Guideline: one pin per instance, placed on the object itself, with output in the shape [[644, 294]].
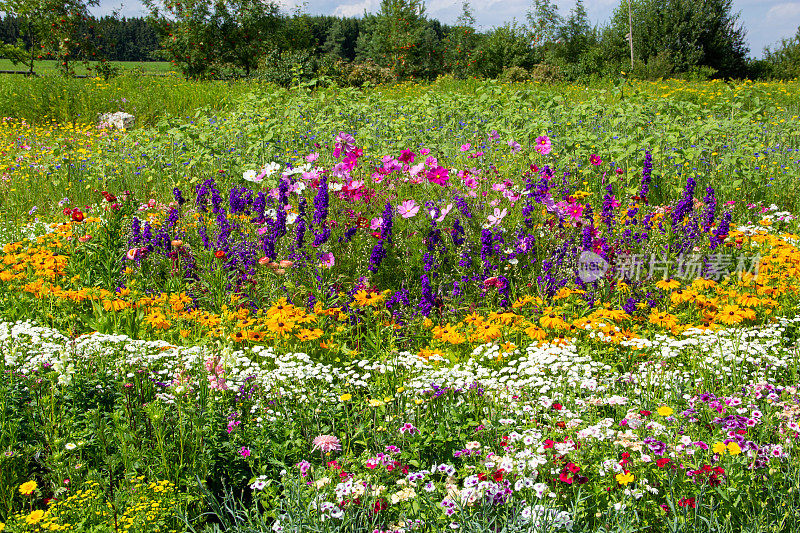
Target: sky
[[766, 21]]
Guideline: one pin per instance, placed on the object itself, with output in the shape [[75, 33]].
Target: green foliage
[[506, 46], [784, 62], [692, 33], [203, 37]]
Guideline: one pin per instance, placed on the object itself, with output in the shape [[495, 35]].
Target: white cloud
[[785, 13], [357, 9]]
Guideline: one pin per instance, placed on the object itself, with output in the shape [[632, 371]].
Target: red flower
[[77, 215], [482, 476], [645, 413], [557, 406], [626, 455], [498, 476], [109, 197], [572, 467], [548, 444], [687, 502], [219, 254], [380, 505], [662, 462], [564, 478]]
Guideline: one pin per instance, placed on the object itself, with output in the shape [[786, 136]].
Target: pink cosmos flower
[[327, 443], [466, 147], [496, 218], [543, 145], [312, 157], [595, 159], [327, 260], [408, 209], [515, 146], [375, 223], [424, 151]]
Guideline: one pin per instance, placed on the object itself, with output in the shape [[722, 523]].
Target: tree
[[460, 54], [60, 29], [784, 61], [693, 34], [396, 30], [506, 46], [544, 22], [198, 35]]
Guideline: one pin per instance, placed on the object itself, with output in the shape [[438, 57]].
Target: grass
[[43, 67]]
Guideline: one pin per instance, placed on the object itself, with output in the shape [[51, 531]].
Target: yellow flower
[[624, 478], [719, 448], [34, 517], [665, 411], [375, 403], [28, 487], [734, 448], [345, 397]]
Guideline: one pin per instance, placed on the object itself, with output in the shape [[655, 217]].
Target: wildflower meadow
[[456, 306]]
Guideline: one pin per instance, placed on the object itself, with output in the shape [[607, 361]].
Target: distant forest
[[695, 39]]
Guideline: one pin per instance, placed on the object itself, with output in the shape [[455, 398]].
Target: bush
[[367, 73], [658, 66], [547, 73], [515, 74]]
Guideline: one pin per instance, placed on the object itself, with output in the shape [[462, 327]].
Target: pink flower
[[408, 209], [595, 159], [409, 428], [466, 147], [327, 260], [244, 452], [326, 443], [575, 210], [515, 147], [496, 218], [312, 157], [543, 145], [424, 151]]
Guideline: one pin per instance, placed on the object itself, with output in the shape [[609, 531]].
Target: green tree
[[201, 35], [396, 31], [460, 44], [784, 61], [544, 23], [58, 28], [504, 47], [692, 34]]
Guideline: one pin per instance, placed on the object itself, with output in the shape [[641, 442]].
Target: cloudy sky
[[766, 21]]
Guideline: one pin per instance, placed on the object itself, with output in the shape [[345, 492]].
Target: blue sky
[[766, 21]]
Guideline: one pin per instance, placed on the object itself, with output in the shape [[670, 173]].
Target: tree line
[[222, 38]]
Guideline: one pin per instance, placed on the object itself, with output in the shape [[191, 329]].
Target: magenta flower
[[408, 209], [244, 452], [543, 145], [327, 260], [406, 156], [466, 147], [409, 428], [595, 159]]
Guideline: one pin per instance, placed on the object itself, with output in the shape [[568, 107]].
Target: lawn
[[43, 67], [464, 306]]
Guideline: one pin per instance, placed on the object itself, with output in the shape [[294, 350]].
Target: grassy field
[[43, 67], [459, 306]]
